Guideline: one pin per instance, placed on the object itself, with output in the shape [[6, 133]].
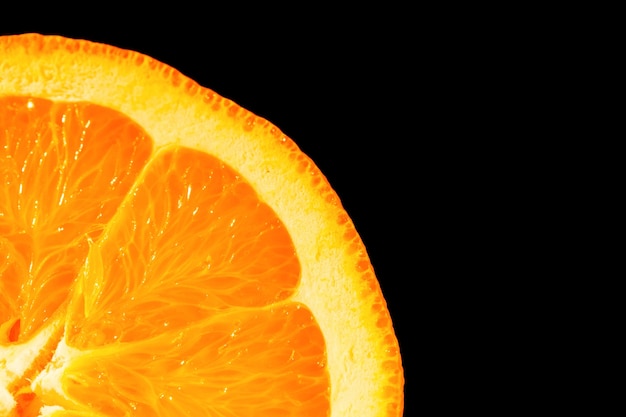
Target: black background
[[339, 92]]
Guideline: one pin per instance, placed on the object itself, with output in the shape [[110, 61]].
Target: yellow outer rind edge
[[338, 282]]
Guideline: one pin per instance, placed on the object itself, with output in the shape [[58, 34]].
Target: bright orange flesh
[[186, 278], [65, 170], [164, 252]]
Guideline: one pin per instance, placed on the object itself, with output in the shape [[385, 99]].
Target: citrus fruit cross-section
[[164, 252]]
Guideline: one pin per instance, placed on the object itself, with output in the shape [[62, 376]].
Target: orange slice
[[164, 252]]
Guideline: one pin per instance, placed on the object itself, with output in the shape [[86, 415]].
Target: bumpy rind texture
[[338, 282]]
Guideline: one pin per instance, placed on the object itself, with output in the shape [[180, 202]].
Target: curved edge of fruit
[[35, 64]]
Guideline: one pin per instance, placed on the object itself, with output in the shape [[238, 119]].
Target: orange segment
[[262, 362], [191, 238], [65, 169]]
